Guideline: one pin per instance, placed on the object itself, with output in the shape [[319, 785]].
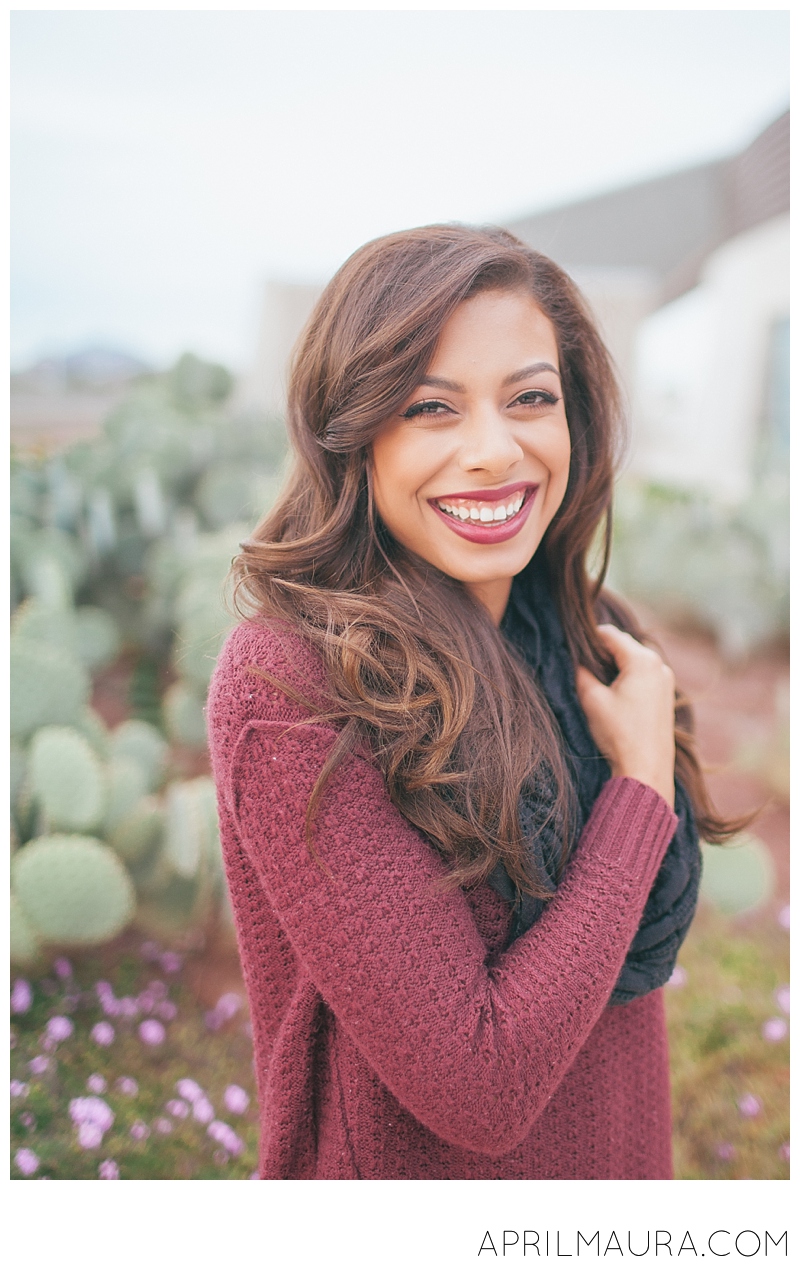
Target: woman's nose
[[489, 444]]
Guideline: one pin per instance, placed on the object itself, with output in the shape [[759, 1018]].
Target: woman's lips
[[491, 531]]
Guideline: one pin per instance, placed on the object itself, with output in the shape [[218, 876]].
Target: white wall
[[701, 367]]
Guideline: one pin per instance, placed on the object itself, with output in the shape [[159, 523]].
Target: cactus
[[738, 876], [97, 640], [67, 779], [143, 743], [47, 686], [45, 624], [26, 947], [137, 836], [191, 839], [73, 890], [225, 493], [91, 725], [184, 715], [18, 767], [127, 784]]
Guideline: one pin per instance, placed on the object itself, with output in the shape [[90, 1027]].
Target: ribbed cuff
[[630, 825]]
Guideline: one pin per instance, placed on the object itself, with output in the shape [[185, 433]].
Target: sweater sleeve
[[473, 1048]]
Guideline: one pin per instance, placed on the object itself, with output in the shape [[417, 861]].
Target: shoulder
[[258, 657]]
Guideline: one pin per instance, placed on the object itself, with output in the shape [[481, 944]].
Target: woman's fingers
[[632, 720]]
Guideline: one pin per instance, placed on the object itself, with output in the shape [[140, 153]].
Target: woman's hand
[[633, 720]]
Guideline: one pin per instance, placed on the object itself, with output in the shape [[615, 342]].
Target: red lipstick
[[491, 531]]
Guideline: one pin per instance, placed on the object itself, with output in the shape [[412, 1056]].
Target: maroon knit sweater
[[393, 1036]]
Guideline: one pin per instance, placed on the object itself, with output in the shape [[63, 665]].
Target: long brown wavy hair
[[417, 673]]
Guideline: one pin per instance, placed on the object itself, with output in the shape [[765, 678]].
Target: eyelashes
[[534, 397]]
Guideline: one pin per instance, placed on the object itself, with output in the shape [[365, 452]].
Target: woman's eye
[[536, 397], [425, 408]]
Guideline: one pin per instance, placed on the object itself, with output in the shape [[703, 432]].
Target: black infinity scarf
[[532, 624]]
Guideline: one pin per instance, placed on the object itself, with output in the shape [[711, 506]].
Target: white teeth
[[486, 514]]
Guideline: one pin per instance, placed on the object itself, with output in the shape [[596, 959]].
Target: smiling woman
[[501, 414], [459, 808]]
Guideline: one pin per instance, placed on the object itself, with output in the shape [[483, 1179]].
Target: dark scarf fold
[[532, 624]]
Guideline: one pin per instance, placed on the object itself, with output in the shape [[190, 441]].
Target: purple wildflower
[[28, 1120], [63, 968], [178, 1108], [678, 977], [90, 1135], [109, 1171], [128, 1007], [19, 1089], [157, 989], [202, 1110], [152, 1032], [255, 1177], [139, 1131], [26, 1161], [228, 1004], [162, 1125], [21, 997], [59, 1028], [726, 1151], [783, 1151], [236, 1100], [39, 1065], [146, 1002], [774, 1029], [127, 1085], [189, 1089], [227, 1137], [91, 1111], [782, 997], [749, 1106], [166, 1010], [783, 917], [96, 1084], [171, 962], [102, 1033]]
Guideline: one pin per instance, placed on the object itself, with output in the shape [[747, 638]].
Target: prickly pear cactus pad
[[67, 779], [73, 890], [25, 944], [47, 686], [134, 739]]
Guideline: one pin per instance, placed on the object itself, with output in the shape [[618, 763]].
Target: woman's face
[[473, 467]]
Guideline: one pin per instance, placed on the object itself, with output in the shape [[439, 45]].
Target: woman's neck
[[493, 596]]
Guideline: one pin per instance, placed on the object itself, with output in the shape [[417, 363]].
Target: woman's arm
[[473, 1050]]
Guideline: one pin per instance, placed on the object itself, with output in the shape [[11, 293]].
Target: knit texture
[[393, 1036]]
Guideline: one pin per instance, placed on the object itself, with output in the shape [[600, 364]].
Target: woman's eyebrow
[[435, 381]]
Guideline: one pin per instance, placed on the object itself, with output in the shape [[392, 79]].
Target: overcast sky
[[166, 163]]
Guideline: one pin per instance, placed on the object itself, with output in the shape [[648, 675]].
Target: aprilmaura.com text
[[630, 1243]]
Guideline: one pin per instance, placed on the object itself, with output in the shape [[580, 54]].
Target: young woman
[[460, 861]]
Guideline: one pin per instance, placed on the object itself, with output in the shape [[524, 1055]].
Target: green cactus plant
[[136, 837], [97, 639], [26, 947], [18, 768], [140, 741], [127, 784], [47, 686], [184, 715], [73, 890], [191, 839], [45, 624], [738, 876], [67, 779], [91, 725]]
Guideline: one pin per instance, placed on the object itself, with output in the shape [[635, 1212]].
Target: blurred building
[[687, 275]]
